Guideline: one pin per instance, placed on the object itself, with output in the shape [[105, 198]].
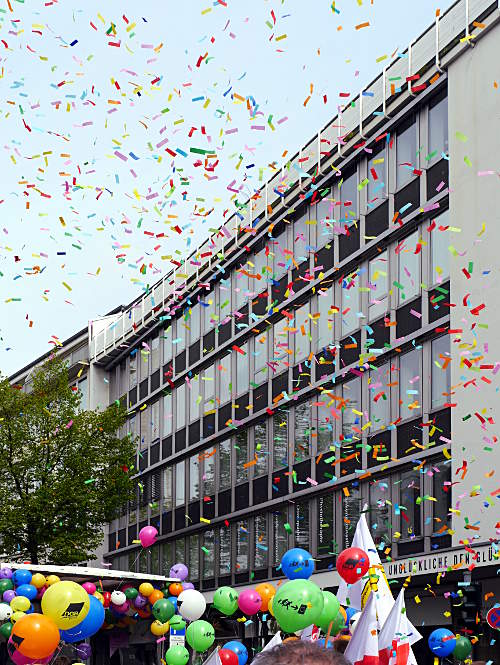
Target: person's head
[[300, 653]]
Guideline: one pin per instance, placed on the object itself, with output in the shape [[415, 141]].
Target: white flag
[[356, 595], [274, 642], [363, 647], [213, 659], [397, 636], [310, 634]]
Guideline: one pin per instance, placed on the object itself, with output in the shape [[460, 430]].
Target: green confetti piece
[[467, 161], [287, 527], [461, 137]]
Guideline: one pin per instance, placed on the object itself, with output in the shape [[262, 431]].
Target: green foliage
[[63, 472]]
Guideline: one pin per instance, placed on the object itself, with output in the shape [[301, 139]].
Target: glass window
[[260, 269], [179, 342], [349, 198], [155, 354], [410, 371], [409, 267], [133, 369], [143, 561], [280, 537], [180, 478], [326, 524], [379, 393], [242, 372], [208, 549], [351, 409], [260, 357], [143, 364], [324, 430], [180, 550], [378, 285], [208, 378], [145, 427], [209, 471], [194, 478], [194, 557], [167, 414], [261, 448], [281, 339], [180, 396], [377, 178], [302, 431], [409, 508], [167, 488], [438, 129], [155, 420], [224, 371], [440, 254], [301, 237], [167, 344], [225, 550], [350, 303], [302, 525], [300, 329], [208, 309], [380, 512], [83, 390], [260, 542], [241, 447], [324, 221], [280, 259], [325, 320], [225, 464], [194, 323], [167, 558], [194, 398], [441, 371], [133, 421], [280, 435], [406, 153], [242, 545], [441, 491]]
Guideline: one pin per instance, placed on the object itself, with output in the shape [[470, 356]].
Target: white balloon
[[118, 597], [5, 611], [353, 622], [191, 604]]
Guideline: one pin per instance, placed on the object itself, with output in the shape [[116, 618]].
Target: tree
[[64, 472]]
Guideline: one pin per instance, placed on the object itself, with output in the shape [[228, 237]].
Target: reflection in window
[[224, 550], [441, 491], [180, 550], [406, 154], [241, 447], [349, 198], [324, 221], [440, 254], [280, 538], [379, 393], [155, 560], [441, 371], [194, 557], [225, 464], [208, 380], [325, 532], [224, 371], [194, 478], [280, 259], [260, 357], [301, 238], [145, 428], [410, 509], [240, 286], [351, 512], [194, 398], [350, 303], [324, 428], [208, 549], [438, 129], [351, 410], [280, 446], [208, 471], [380, 511], [155, 420], [325, 320], [167, 558], [180, 396], [194, 323], [378, 285], [300, 331], [242, 370], [409, 251], [167, 414], [167, 488], [180, 473], [260, 541], [261, 448], [302, 524], [302, 432], [410, 399], [242, 545], [377, 178]]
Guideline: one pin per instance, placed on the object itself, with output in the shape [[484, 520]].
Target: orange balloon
[[266, 591], [156, 595], [343, 612], [175, 588], [35, 636]]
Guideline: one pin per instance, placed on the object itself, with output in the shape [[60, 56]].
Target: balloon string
[[328, 634]]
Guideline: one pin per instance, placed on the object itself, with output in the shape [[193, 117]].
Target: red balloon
[[228, 657], [352, 564], [106, 599]]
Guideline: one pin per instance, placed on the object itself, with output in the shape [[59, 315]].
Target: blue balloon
[[350, 611], [21, 576], [297, 564], [27, 590], [89, 626], [173, 600], [239, 649], [442, 642], [321, 643], [30, 609]]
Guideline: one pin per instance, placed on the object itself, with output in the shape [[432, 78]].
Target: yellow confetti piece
[[67, 286]]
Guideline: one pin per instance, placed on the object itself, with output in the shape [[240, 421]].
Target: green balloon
[[298, 604], [131, 593], [177, 655], [226, 600], [6, 585], [338, 625], [177, 622], [463, 648], [163, 610], [6, 630], [200, 635], [330, 610]]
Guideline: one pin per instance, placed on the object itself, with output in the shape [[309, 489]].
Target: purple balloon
[[9, 595], [41, 592], [140, 601], [7, 573], [179, 571], [121, 609], [84, 651], [187, 585]]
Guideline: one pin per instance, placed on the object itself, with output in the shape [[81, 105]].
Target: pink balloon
[[89, 588], [41, 592], [249, 601], [19, 659], [147, 536], [121, 609]]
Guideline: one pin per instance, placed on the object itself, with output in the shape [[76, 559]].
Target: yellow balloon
[[146, 589], [38, 580], [16, 616], [158, 628], [99, 597], [270, 606], [66, 603], [53, 579], [20, 604]]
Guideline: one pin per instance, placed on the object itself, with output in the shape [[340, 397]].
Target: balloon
[[177, 622], [53, 579], [121, 609], [21, 576], [16, 616], [90, 588], [7, 573], [187, 585], [84, 650], [442, 642], [226, 600], [38, 580], [20, 604], [330, 610], [131, 593], [228, 657], [99, 597], [297, 604], [106, 597], [270, 605], [5, 611], [266, 591], [239, 649], [89, 626], [249, 602], [297, 564], [350, 611], [177, 655], [463, 648], [200, 635], [191, 604], [18, 658], [163, 610], [156, 595], [118, 598], [8, 595], [175, 589], [35, 636], [147, 535], [6, 629], [173, 600], [179, 572], [352, 564], [27, 590], [140, 601], [6, 585], [338, 623], [146, 589], [158, 628], [66, 603]]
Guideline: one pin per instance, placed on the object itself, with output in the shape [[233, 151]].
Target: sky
[[99, 111]]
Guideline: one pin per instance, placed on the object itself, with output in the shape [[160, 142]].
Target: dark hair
[[300, 653]]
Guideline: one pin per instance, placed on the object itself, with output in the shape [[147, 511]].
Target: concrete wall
[[99, 387], [474, 112]]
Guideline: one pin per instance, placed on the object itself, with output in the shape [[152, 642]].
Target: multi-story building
[[314, 355]]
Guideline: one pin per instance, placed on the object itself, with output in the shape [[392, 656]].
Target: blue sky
[[91, 100]]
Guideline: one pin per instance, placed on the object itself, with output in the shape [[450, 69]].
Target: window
[[302, 524], [380, 512], [409, 267], [410, 371], [225, 550], [194, 557], [225, 464], [241, 447], [167, 344], [324, 222], [260, 357], [326, 532], [260, 541], [281, 339], [208, 309], [440, 371], [242, 545], [155, 354], [194, 323], [280, 447], [180, 397], [167, 414], [155, 420], [349, 198], [438, 129], [224, 371], [351, 411], [301, 334], [167, 558], [83, 390], [194, 398], [208, 378], [301, 432], [409, 508], [350, 303], [242, 372], [440, 254], [145, 427], [280, 259], [180, 473], [180, 550], [259, 269], [377, 178], [325, 320], [194, 478], [143, 364], [406, 152], [155, 560], [241, 286], [167, 488], [441, 491], [261, 448], [179, 342], [324, 430], [132, 427], [133, 369], [301, 238], [208, 476], [378, 281], [280, 538], [379, 393]]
